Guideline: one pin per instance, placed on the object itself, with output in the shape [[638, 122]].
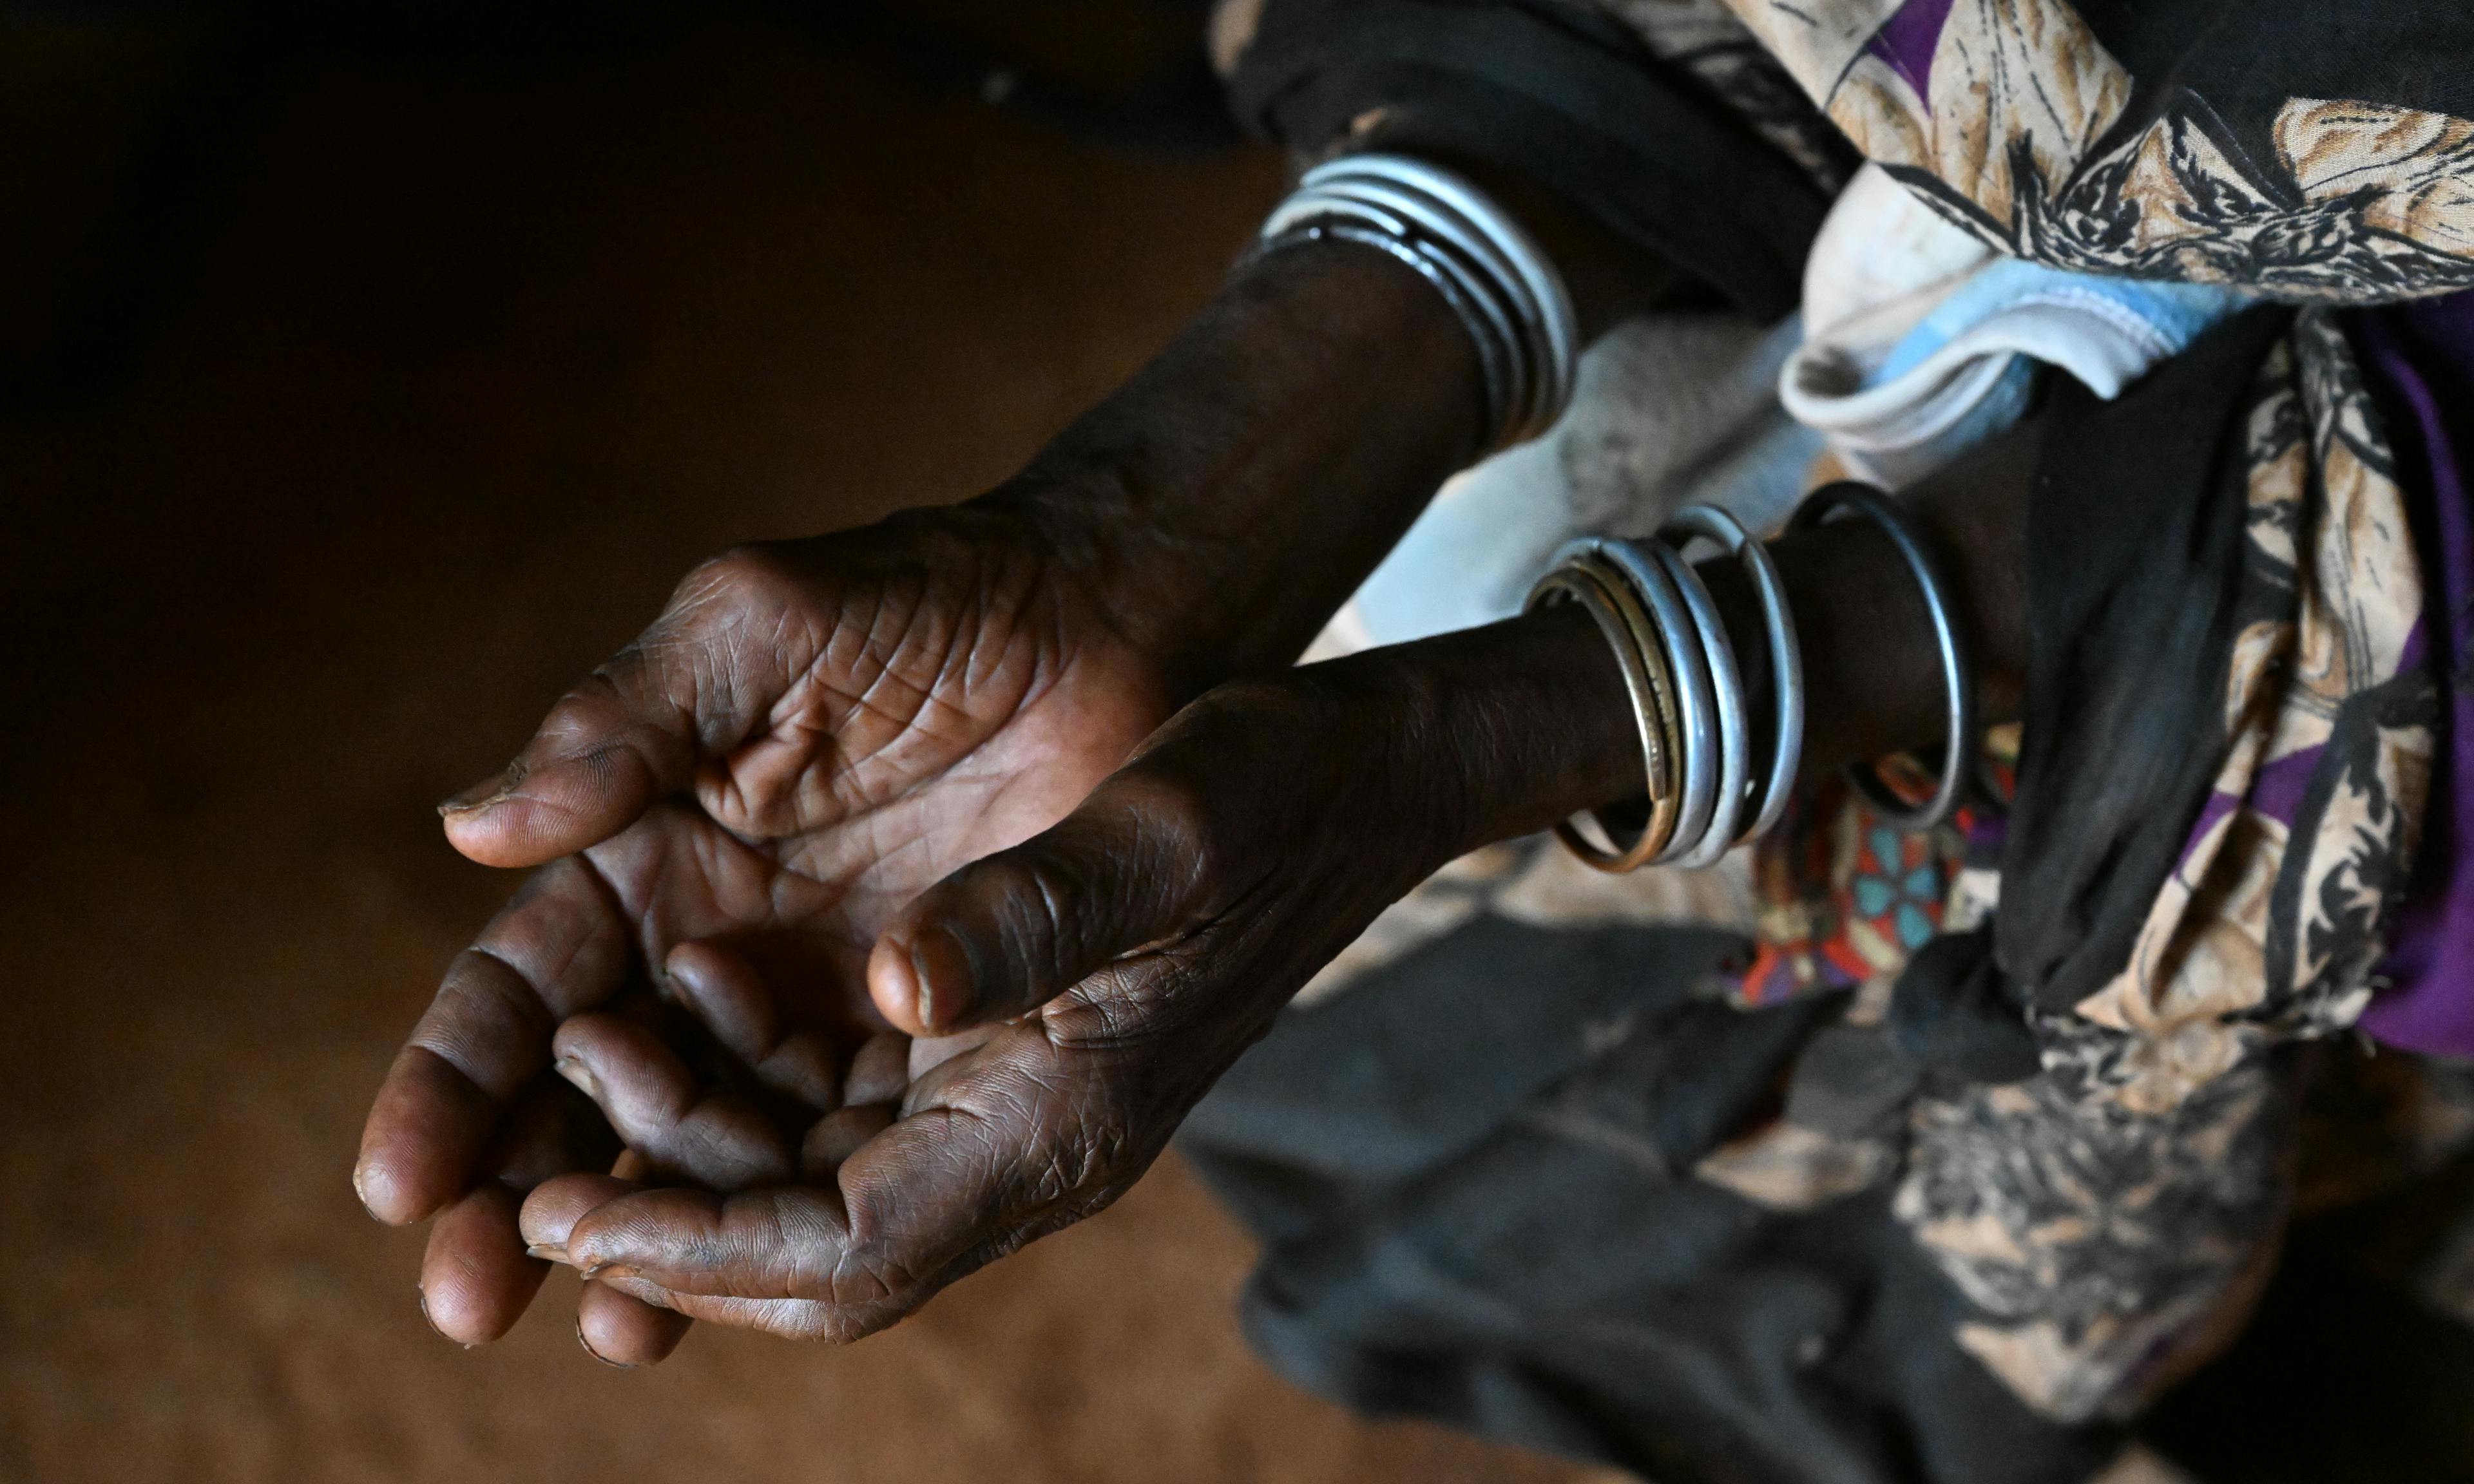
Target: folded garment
[[1921, 342]]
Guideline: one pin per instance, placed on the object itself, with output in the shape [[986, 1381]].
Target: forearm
[[1873, 671], [1225, 502], [1228, 498], [1516, 726]]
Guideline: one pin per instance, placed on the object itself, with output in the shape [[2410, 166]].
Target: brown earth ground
[[415, 390]]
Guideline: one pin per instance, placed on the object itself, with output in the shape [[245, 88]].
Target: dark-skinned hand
[[1087, 986], [727, 814], [809, 734]]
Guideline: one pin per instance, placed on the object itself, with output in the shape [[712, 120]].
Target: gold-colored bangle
[[1666, 803], [1607, 599], [1649, 640], [1634, 639]]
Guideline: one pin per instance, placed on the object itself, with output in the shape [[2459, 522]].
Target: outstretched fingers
[[997, 1147], [559, 947], [636, 731], [626, 1330], [713, 1137], [476, 1278], [623, 1325], [627, 1320], [797, 1065]]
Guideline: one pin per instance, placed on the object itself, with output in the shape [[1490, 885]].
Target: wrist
[[1221, 504], [1492, 733]]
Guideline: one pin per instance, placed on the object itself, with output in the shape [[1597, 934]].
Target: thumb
[[633, 731], [1005, 935]]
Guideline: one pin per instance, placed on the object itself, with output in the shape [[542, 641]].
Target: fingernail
[[496, 786], [575, 1072], [941, 969], [548, 1252], [606, 1272], [587, 1346]]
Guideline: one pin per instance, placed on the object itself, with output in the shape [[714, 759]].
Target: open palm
[[811, 734]]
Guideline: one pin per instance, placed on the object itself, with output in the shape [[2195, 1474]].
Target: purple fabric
[[2420, 366], [2275, 792], [1907, 40]]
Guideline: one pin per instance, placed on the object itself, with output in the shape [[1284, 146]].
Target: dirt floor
[[348, 416]]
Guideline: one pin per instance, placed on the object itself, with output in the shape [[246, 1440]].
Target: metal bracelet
[[1786, 656], [1734, 722], [1495, 369], [1482, 273], [1591, 589], [1496, 250], [1501, 286], [1666, 804], [1696, 697], [1958, 680], [1553, 320], [1495, 326]]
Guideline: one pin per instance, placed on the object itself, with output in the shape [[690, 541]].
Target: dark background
[[364, 378]]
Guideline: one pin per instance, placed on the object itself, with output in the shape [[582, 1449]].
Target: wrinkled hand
[[1107, 970], [1092, 983], [735, 806]]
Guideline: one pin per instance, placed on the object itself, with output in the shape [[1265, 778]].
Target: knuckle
[[1037, 896], [1172, 818], [1086, 1162], [746, 575], [484, 991], [1262, 705]]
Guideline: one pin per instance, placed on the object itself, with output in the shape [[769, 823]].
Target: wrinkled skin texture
[[1084, 988], [806, 817], [727, 815], [809, 734], [813, 802], [1114, 967]]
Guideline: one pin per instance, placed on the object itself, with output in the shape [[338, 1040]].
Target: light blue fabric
[[1969, 367], [2177, 314]]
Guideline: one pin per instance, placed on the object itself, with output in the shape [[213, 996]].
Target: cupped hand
[[732, 808], [1090, 985]]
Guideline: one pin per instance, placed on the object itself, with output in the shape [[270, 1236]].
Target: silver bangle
[[1462, 216], [1734, 722], [1697, 705], [1691, 684], [1501, 286], [1786, 656], [1494, 368], [1554, 319], [1958, 680], [1459, 252]]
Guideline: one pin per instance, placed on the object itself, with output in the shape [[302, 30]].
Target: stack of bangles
[[1504, 290], [1704, 793]]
